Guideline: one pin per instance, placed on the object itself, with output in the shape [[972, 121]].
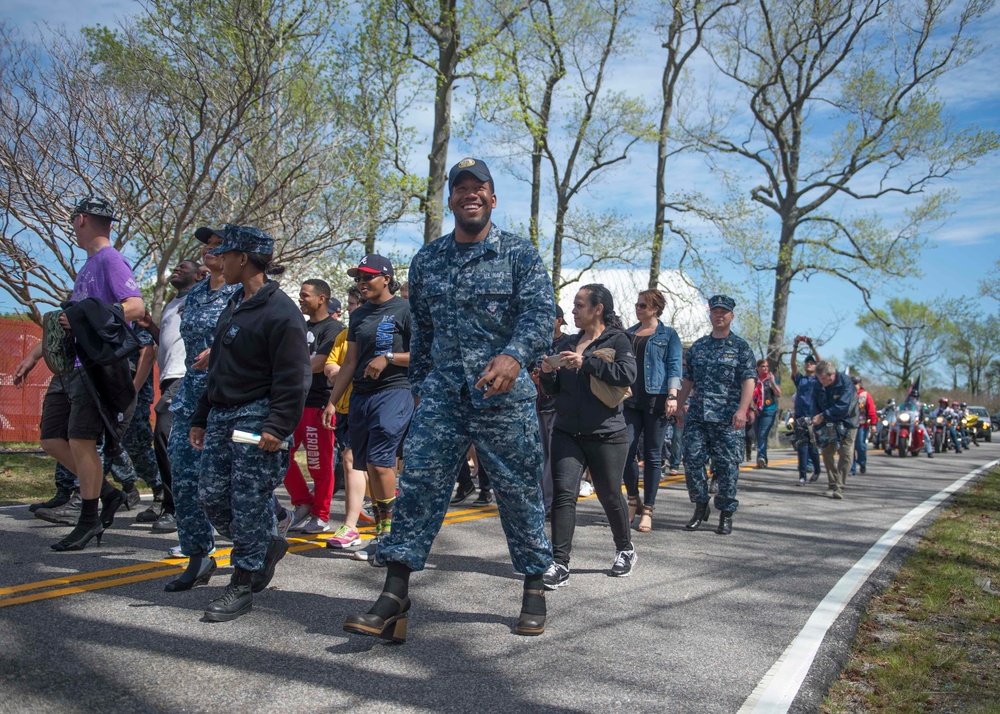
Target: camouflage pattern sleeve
[[421, 328], [535, 305]]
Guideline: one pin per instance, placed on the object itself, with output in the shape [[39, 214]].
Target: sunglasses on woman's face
[[368, 276], [641, 305]]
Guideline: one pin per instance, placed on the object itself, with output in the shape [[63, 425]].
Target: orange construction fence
[[21, 409]]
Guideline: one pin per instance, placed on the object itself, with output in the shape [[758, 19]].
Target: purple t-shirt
[[106, 276]]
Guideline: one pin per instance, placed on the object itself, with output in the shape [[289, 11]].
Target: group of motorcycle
[[905, 430]]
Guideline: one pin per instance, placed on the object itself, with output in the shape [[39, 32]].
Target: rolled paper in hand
[[248, 437]]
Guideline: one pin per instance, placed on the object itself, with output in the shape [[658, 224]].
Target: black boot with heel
[[388, 617], [701, 511], [531, 622], [198, 572]]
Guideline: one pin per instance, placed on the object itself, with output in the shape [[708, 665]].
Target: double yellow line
[[115, 577]]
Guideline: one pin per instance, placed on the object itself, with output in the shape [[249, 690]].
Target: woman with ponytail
[[588, 378]]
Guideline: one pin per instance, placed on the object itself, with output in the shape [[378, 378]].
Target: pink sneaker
[[344, 537]]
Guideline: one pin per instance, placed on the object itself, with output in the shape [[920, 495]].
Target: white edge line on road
[[775, 693]]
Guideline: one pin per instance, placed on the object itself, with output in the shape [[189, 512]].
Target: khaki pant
[[836, 473]]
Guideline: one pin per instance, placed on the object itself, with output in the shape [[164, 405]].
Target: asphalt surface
[[694, 629]]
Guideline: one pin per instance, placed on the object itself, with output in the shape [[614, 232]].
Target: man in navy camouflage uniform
[[719, 375], [482, 308]]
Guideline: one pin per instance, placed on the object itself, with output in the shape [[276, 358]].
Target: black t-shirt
[[375, 330], [320, 336]]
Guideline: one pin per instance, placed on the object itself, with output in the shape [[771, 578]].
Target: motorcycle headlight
[[940, 420], [885, 422], [904, 418]]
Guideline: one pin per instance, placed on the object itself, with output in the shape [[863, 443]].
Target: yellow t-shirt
[[337, 356]]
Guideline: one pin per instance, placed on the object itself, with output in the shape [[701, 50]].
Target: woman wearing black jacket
[[588, 433], [258, 376]]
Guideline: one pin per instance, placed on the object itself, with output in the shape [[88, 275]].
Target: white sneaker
[[315, 525], [176, 552], [586, 489], [301, 516], [368, 552]]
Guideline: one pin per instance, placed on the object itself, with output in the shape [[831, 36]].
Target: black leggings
[[606, 461]]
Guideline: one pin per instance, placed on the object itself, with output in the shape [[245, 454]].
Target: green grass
[[25, 478], [931, 641]]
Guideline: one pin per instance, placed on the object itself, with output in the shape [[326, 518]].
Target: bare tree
[[190, 114], [861, 76], [555, 64], [455, 32]]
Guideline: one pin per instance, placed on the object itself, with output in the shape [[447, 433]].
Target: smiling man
[[482, 308]]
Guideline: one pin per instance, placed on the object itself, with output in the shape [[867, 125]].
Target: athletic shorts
[[68, 410], [341, 432], [378, 423]]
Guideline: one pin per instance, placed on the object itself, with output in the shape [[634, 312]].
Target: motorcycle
[[880, 434], [939, 433], [969, 424], [904, 435]]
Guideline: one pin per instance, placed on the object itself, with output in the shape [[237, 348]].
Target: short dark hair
[[355, 293], [322, 287], [655, 298]]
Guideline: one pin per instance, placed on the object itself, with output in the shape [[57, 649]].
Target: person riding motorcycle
[[951, 418]]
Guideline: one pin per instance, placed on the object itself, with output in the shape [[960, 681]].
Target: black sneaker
[[624, 562], [166, 523], [149, 515], [557, 576], [485, 498], [463, 491]]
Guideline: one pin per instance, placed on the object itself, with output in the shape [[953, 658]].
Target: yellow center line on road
[[169, 567], [102, 579]]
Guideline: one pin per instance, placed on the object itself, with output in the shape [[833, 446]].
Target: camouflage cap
[[721, 301], [95, 205], [244, 239]]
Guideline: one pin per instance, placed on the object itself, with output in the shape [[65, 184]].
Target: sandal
[[633, 507], [646, 519]]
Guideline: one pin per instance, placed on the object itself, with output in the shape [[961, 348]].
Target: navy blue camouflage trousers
[[724, 446], [236, 484], [193, 528], [507, 442]]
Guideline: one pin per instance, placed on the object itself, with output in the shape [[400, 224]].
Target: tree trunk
[[659, 218], [783, 275], [536, 190], [437, 174], [557, 239]]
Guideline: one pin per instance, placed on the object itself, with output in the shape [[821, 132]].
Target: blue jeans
[[808, 457], [860, 449], [652, 428], [764, 423]]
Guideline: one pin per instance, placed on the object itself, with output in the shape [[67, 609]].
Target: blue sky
[[964, 248]]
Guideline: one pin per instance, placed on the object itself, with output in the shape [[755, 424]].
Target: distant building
[[685, 311]]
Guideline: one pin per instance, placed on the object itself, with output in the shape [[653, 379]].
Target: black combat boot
[[276, 550], [60, 499], [235, 601], [701, 511], [725, 523]]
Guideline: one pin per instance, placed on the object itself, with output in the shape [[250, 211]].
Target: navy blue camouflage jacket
[[468, 308]]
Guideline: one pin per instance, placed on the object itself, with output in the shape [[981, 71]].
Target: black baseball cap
[[560, 315], [810, 359], [204, 233], [373, 265], [333, 305], [721, 301], [476, 167]]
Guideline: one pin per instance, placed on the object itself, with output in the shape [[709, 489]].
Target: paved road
[[695, 628]]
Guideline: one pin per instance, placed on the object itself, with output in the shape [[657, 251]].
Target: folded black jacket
[[578, 411], [260, 351], [104, 342]]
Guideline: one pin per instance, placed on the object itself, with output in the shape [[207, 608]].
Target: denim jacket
[[661, 360]]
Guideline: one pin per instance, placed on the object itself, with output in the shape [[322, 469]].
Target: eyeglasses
[[641, 305], [368, 276]]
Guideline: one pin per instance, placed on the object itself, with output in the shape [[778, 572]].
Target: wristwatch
[[389, 356]]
